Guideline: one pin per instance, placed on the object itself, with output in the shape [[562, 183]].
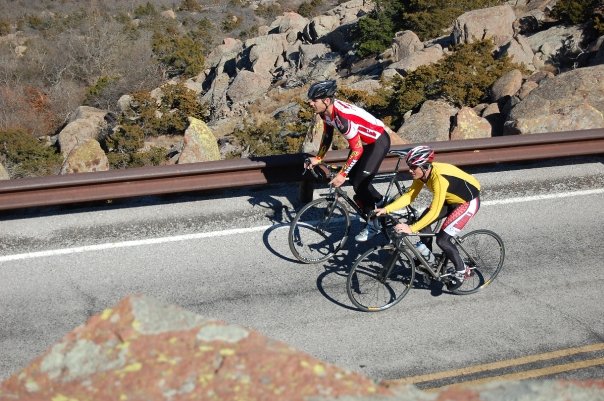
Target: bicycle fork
[[328, 213], [388, 267]]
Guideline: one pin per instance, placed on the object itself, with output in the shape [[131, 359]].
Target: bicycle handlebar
[[332, 170], [311, 169]]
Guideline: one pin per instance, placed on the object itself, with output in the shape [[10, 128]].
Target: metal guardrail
[[237, 173]]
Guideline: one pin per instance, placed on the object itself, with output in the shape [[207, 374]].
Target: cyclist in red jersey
[[368, 142]]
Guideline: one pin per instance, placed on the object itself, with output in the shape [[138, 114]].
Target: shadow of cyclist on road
[[332, 282]]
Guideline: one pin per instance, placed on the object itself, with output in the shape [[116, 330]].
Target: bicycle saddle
[[400, 153]]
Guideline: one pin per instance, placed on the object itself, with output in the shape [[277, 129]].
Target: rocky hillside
[[540, 75]]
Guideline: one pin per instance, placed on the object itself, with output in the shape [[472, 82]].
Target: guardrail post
[[306, 190]]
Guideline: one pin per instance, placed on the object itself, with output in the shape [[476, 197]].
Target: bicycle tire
[[369, 289], [488, 251], [319, 230]]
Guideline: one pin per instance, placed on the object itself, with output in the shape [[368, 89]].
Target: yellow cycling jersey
[[449, 184]]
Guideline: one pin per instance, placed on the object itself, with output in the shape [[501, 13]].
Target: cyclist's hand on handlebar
[[311, 162], [338, 180], [403, 228], [380, 211]]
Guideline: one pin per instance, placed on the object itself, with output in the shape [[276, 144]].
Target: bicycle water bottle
[[423, 249]]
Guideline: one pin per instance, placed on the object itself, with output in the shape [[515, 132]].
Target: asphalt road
[[226, 256]]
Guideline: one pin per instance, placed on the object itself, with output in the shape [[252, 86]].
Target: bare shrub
[[137, 72], [25, 108]]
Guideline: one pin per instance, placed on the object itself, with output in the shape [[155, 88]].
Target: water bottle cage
[[425, 252]]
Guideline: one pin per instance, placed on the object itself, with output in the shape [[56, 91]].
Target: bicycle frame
[[435, 269], [336, 193]]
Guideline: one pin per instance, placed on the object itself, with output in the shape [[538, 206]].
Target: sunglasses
[[412, 167]]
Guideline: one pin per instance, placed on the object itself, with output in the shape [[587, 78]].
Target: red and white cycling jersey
[[352, 120], [357, 125]]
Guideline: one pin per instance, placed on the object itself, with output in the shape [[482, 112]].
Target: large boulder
[[92, 114], [550, 46], [264, 53], [431, 123], [200, 144], [425, 56], [307, 54], [469, 125], [86, 157], [571, 101], [228, 50], [216, 95], [76, 133], [520, 51], [370, 86], [507, 85], [352, 10], [85, 123], [495, 23], [405, 44], [290, 24], [248, 86], [319, 27], [526, 88], [312, 141], [4, 173], [143, 349]]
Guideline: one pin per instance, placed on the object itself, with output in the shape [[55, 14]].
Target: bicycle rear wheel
[[380, 278], [483, 252], [319, 230]]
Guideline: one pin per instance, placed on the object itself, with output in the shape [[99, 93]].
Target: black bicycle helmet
[[322, 89], [420, 156]]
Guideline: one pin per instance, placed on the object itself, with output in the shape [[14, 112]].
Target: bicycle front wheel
[[380, 278], [483, 252], [319, 230]]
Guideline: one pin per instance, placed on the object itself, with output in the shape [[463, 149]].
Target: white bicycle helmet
[[420, 156]]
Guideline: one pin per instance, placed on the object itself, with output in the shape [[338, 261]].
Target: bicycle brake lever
[[311, 170]]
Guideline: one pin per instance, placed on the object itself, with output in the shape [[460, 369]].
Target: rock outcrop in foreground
[[144, 350]]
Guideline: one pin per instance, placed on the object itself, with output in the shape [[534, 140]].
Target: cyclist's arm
[[406, 198], [356, 151], [438, 201]]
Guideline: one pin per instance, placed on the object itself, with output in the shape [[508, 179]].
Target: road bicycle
[[322, 226], [383, 275]]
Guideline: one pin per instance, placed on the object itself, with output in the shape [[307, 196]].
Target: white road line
[[223, 233], [127, 244], [543, 197]]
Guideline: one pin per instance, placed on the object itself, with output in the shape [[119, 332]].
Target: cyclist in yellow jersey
[[456, 195]]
